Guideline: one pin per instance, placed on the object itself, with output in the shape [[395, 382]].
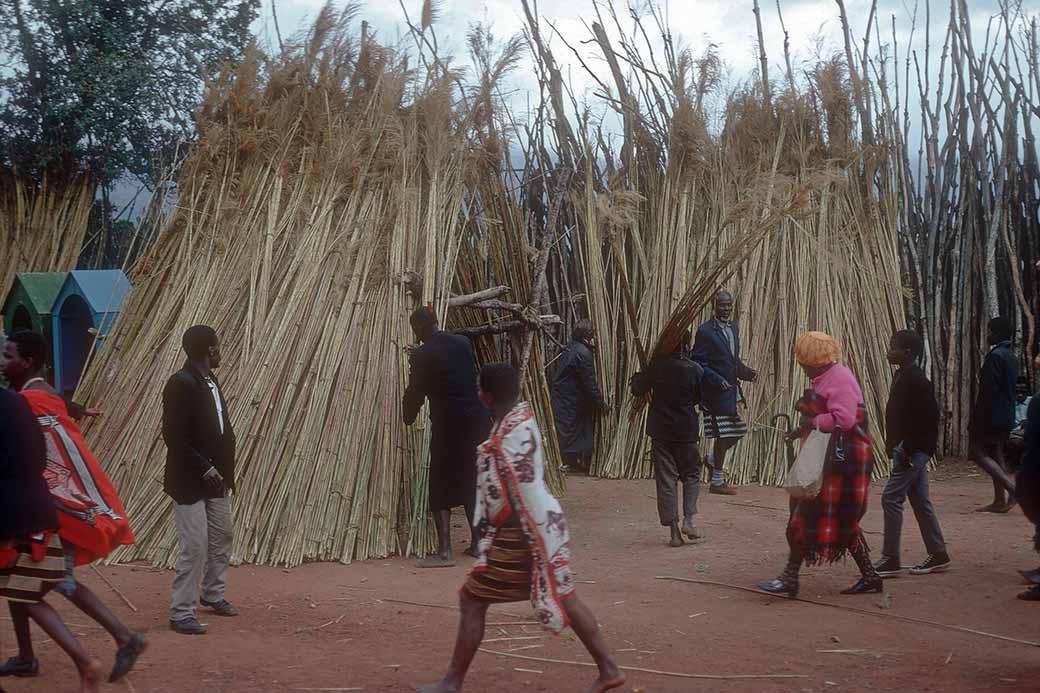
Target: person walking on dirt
[[993, 416], [826, 528], [92, 520], [576, 399], [444, 371], [200, 474], [717, 349], [912, 433], [524, 550], [31, 557], [674, 383]]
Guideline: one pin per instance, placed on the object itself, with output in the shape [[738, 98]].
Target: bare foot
[[1006, 507], [471, 551], [90, 677], [436, 562], [993, 507], [692, 531], [609, 681], [440, 687]]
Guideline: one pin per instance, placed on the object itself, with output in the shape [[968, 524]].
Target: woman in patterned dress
[[524, 551]]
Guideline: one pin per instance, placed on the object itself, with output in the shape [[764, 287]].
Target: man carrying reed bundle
[[444, 371], [200, 472], [576, 399], [993, 416], [717, 350], [674, 382]]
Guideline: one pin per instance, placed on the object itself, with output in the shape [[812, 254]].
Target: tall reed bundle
[[319, 182], [778, 206], [41, 228]]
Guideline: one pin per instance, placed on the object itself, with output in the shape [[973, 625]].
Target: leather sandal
[[866, 586]]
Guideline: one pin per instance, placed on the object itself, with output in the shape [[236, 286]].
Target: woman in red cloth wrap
[[524, 546], [826, 528], [91, 516]]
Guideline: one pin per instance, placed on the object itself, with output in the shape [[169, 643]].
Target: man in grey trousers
[[673, 383], [200, 474]]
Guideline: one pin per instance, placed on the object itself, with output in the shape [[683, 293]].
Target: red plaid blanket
[[827, 526]]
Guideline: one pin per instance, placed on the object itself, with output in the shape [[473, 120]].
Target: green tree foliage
[[108, 86]]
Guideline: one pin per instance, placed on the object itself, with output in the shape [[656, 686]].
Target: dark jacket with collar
[[721, 365], [193, 439], [576, 398], [912, 414], [674, 384], [994, 409]]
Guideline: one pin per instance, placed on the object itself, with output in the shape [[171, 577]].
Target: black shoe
[[20, 668], [126, 657], [1030, 595], [935, 563], [888, 567], [866, 585], [188, 626], [780, 586], [221, 608]]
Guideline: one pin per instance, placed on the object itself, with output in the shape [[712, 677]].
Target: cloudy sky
[[813, 25]]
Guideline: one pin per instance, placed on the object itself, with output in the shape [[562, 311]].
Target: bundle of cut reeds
[[319, 182], [41, 228]]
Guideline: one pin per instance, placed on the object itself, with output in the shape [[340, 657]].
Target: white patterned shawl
[[510, 480]]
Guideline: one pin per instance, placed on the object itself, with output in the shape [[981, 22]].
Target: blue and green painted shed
[[86, 307]]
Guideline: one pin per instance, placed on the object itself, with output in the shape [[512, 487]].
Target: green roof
[[41, 287]]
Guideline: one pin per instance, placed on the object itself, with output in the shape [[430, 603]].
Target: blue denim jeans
[[909, 479]]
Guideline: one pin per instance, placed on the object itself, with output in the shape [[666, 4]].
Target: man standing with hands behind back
[[200, 471], [717, 349]]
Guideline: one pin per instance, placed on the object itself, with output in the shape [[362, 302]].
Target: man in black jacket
[[444, 370], [576, 399], [200, 472], [673, 382], [911, 436], [993, 416]]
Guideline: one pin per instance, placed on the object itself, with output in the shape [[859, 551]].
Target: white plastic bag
[[805, 477]]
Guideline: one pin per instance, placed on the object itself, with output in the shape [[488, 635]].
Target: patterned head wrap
[[816, 349]]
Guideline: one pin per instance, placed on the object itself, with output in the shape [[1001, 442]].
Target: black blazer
[[674, 384], [193, 439], [26, 505]]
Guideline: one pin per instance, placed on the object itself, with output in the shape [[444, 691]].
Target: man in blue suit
[[717, 349]]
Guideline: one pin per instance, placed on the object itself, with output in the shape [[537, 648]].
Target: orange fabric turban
[[816, 349]]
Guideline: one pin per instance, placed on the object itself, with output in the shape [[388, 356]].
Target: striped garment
[[724, 426], [507, 577], [37, 566]]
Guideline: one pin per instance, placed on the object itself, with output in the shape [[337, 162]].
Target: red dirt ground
[[333, 627]]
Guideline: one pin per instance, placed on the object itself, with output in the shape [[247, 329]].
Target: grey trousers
[[204, 532], [674, 463], [909, 480]]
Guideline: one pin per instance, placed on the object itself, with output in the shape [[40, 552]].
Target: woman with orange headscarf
[[826, 528]]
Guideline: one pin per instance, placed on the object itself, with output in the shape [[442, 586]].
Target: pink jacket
[[843, 394]]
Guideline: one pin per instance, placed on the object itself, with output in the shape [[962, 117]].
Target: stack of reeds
[[41, 228], [319, 182], [777, 205]]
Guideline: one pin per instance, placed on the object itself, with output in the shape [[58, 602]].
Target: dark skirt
[[507, 576], [453, 463], [28, 579]]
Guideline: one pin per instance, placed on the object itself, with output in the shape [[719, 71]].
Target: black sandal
[[126, 657]]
